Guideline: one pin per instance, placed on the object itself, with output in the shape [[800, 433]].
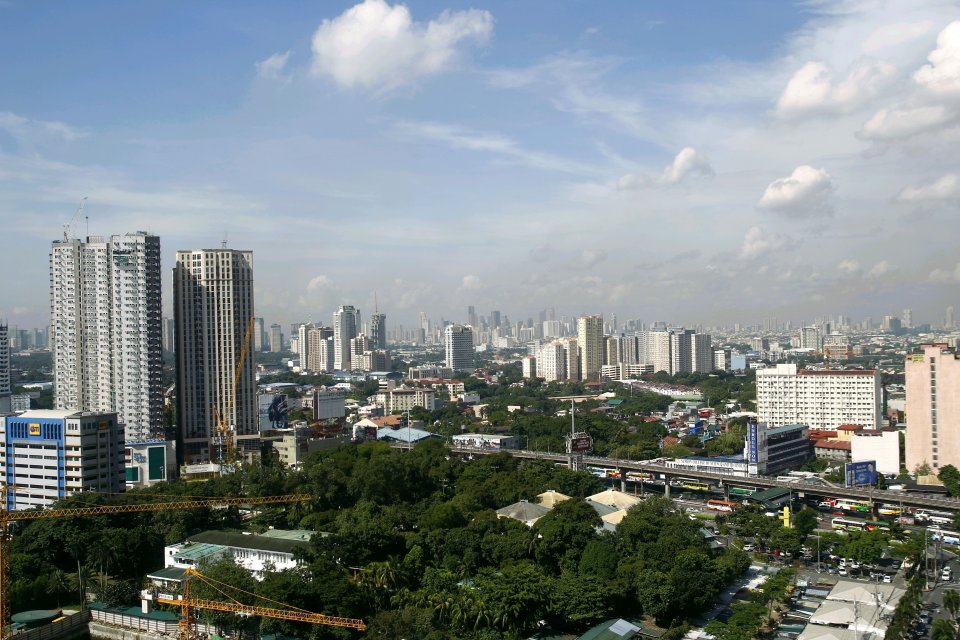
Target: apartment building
[[821, 399]]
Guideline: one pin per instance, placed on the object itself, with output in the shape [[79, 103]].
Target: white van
[[946, 575]]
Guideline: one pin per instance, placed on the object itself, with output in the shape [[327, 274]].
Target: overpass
[[725, 481]]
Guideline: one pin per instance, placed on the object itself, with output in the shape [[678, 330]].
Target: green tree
[[582, 600], [951, 602], [806, 522], [561, 535], [950, 477], [943, 629]]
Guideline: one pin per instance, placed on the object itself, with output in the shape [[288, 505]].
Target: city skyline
[[717, 166]]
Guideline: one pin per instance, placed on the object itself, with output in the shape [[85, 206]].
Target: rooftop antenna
[[375, 309], [223, 243]]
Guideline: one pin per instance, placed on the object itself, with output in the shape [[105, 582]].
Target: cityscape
[[429, 321]]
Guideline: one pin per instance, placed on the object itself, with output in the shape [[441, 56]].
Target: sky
[[694, 162]]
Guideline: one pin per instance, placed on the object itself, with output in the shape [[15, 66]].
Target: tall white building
[[213, 308], [458, 343], [658, 351], [552, 361], [5, 403], [811, 338], [346, 325], [822, 399], [591, 343], [107, 329], [378, 330]]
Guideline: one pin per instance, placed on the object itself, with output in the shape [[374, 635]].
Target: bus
[[600, 472], [613, 473], [946, 537], [721, 505], [849, 525], [860, 506], [638, 476], [692, 485], [889, 510], [742, 492]]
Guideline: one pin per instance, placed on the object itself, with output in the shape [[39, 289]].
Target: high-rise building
[[458, 341], [318, 340], [259, 335], [821, 399], [303, 345], [551, 361], [702, 356], [54, 454], [681, 351], [105, 311], [933, 408], [213, 308], [571, 352], [5, 406], [811, 338], [378, 330], [949, 322], [907, 319], [590, 342], [276, 338], [167, 336], [346, 324], [658, 351]]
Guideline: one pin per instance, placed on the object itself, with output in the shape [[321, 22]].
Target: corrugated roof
[[244, 541]]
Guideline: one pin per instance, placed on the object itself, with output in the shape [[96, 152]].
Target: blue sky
[[691, 162]]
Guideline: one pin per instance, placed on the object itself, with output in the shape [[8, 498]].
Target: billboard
[[370, 433], [861, 474], [753, 444], [579, 442]]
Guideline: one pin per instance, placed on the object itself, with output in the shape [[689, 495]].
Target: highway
[[727, 480]]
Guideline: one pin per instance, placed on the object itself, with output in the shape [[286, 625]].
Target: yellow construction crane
[[6, 517], [224, 432], [186, 603]]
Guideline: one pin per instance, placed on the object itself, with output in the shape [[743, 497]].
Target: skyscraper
[[933, 408], [213, 309], [4, 370], [276, 338], [590, 341], [107, 329], [259, 335], [378, 330], [346, 321], [948, 324], [458, 340]]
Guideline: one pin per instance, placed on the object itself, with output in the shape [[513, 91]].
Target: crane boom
[[6, 517]]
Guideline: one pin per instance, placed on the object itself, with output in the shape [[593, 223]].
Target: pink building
[[933, 408]]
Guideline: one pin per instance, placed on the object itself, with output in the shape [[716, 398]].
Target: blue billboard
[[861, 474], [753, 449]]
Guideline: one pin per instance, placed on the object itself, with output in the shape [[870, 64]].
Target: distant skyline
[[697, 163]]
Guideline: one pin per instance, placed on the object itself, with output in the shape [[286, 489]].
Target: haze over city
[[718, 164]]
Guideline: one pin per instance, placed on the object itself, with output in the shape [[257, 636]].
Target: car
[[925, 618], [946, 575], [749, 547], [887, 578], [842, 571]]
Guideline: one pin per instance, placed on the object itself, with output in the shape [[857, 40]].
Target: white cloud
[[687, 162], [891, 35], [470, 283], [806, 192], [946, 187], [23, 128], [942, 76], [943, 275], [377, 46], [813, 89], [849, 267], [274, 66], [592, 257], [757, 243], [321, 292], [463, 138], [895, 123], [880, 269]]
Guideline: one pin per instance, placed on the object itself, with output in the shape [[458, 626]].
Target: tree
[[951, 602], [561, 535], [864, 546], [943, 629], [806, 522], [655, 594], [582, 600], [950, 477], [58, 584]]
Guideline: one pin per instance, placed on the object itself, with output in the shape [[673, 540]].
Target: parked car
[[887, 578]]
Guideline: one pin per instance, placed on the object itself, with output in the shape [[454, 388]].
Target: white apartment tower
[[213, 308], [458, 341], [821, 399], [107, 329], [590, 341], [346, 325]]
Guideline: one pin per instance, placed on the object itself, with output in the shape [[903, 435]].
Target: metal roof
[[245, 541]]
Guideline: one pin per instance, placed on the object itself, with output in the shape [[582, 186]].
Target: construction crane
[[225, 434], [68, 231], [186, 603], [6, 517]]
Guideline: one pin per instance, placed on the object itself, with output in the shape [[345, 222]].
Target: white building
[[148, 462], [346, 323], [213, 306], [529, 366], [403, 399], [658, 350], [49, 455], [107, 342], [721, 359], [458, 342], [882, 446], [552, 361], [328, 404], [811, 338], [821, 399], [253, 552]]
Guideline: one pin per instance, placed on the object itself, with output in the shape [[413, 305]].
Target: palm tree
[[943, 629], [79, 581], [951, 602], [58, 583]]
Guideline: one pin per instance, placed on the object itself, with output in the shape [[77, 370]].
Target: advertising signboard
[[580, 442], [369, 433], [753, 450], [861, 474]]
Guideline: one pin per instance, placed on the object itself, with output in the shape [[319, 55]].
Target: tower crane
[[6, 517], [187, 603], [224, 433], [68, 228]]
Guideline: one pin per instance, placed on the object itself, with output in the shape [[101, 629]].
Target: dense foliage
[[413, 546]]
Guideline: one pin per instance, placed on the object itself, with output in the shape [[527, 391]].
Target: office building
[[259, 335], [822, 399], [932, 408], [48, 455], [769, 450], [213, 308], [702, 353], [681, 351], [107, 329], [721, 359], [167, 336], [346, 324], [5, 396], [529, 367], [458, 343], [590, 342], [810, 338], [378, 330], [276, 338]]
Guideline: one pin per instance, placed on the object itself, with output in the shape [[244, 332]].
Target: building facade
[[822, 399], [458, 343], [48, 455], [346, 323], [213, 308], [591, 344], [378, 330], [107, 343], [933, 408], [5, 401]]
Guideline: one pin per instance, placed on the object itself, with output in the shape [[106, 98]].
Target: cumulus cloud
[[897, 33], [945, 275], [321, 291], [592, 257], [757, 243], [374, 45], [687, 162], [805, 192], [470, 283], [942, 76], [813, 90], [943, 188], [274, 66], [23, 128], [849, 267], [896, 123], [880, 269]]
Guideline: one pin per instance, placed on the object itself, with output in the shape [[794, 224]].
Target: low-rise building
[[328, 404], [148, 462], [403, 399], [254, 552]]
